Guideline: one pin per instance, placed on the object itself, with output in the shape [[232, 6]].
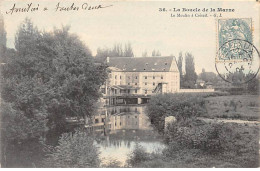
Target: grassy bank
[[195, 143], [244, 107]]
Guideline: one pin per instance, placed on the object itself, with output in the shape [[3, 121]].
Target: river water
[[119, 128]]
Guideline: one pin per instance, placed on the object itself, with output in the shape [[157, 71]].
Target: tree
[[156, 53], [190, 76], [145, 54], [2, 40], [208, 76], [74, 150], [51, 76], [128, 52], [116, 51], [179, 64]]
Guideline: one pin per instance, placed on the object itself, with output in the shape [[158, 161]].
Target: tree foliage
[[208, 76], [180, 64], [2, 40], [156, 53], [74, 150], [181, 106], [116, 51], [51, 76], [190, 76]]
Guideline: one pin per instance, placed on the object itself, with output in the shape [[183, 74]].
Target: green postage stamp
[[234, 39]]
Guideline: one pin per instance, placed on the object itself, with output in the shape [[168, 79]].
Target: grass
[[241, 150], [244, 107]]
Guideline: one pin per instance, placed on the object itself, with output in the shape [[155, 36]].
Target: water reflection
[[118, 128]]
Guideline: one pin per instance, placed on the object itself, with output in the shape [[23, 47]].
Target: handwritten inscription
[[73, 7], [30, 7]]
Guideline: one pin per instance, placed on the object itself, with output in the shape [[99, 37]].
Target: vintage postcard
[[129, 84]]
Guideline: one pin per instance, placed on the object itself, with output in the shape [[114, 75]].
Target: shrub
[[236, 143], [74, 150], [180, 105], [137, 156]]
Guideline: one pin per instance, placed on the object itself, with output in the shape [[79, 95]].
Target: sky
[[139, 23]]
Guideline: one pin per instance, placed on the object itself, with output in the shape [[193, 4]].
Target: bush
[[181, 106], [236, 143], [74, 150], [137, 156]]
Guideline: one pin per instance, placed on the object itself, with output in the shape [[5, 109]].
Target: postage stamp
[[238, 29], [237, 59]]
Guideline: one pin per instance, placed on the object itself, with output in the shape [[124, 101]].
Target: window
[[120, 123], [128, 77], [145, 77], [115, 76], [128, 91], [161, 77], [135, 91], [103, 120], [136, 109], [135, 83], [120, 77], [128, 83], [135, 116], [153, 83], [165, 63], [145, 92], [96, 120], [136, 77], [145, 83], [153, 77]]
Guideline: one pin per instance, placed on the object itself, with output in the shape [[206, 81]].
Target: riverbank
[[202, 138]]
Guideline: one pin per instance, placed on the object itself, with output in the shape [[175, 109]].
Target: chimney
[[107, 59]]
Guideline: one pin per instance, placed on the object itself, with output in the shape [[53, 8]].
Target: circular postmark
[[237, 61]]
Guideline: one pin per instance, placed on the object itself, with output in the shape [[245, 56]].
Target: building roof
[[141, 64]]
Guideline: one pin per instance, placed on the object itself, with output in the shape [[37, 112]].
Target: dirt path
[[229, 120]]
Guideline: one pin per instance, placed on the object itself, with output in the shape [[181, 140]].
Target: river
[[119, 128]]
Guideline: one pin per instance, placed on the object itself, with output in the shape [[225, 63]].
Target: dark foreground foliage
[[74, 150]]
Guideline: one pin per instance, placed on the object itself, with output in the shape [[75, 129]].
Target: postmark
[[237, 59], [239, 63]]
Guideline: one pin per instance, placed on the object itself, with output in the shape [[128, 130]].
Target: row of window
[[136, 77], [144, 83], [145, 77]]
